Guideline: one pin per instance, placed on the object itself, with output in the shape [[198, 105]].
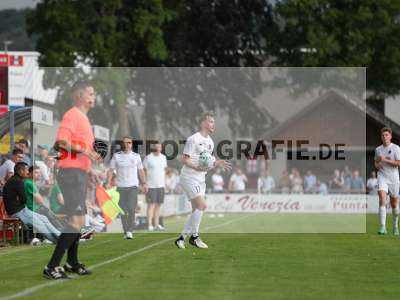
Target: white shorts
[[390, 188], [192, 188]]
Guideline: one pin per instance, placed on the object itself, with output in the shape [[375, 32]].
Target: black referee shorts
[[73, 184]]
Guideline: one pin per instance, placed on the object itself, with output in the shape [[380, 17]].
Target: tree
[[343, 33], [12, 28], [97, 33], [144, 33]]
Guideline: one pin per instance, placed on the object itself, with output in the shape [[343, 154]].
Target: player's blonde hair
[[206, 115], [386, 129]]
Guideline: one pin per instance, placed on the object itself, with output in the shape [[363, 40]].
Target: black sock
[[64, 242], [73, 251]]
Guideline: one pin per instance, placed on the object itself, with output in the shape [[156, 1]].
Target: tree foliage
[[343, 33], [143, 33]]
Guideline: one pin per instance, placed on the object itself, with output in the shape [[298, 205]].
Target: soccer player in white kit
[[193, 179], [387, 161]]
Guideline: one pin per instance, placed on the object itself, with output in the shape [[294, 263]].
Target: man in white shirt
[[127, 164], [237, 183], [7, 168], [265, 183], [372, 184], [155, 164], [193, 179], [217, 181], [387, 161]]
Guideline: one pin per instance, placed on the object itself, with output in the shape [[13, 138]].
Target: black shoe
[[55, 273], [77, 269]]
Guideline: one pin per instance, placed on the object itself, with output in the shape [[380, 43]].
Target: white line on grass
[[36, 288]]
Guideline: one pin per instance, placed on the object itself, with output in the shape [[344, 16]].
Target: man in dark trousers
[[74, 141]]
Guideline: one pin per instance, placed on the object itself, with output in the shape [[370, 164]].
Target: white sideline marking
[[36, 288]]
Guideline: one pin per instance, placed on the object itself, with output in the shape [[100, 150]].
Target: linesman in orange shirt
[[74, 141]]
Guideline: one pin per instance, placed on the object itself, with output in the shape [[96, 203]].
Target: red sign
[[11, 60], [16, 60], [3, 109], [3, 60]]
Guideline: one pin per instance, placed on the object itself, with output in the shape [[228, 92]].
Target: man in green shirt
[[31, 190], [56, 199], [35, 201]]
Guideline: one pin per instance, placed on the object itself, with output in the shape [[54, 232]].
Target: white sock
[[187, 228], [382, 216], [395, 212], [196, 219]]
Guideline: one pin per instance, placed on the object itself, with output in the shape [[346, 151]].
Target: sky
[[17, 4]]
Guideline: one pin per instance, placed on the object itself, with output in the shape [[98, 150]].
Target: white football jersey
[[389, 172], [195, 145]]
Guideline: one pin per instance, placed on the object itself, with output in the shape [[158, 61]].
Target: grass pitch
[[236, 266]]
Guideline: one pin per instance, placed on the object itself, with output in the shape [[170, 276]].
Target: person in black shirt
[[15, 204]]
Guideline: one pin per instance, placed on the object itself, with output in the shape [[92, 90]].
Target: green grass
[[236, 266]]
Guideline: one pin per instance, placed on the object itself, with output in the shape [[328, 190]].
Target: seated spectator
[[15, 204], [40, 161], [296, 181], [372, 184], [310, 180], [357, 183], [285, 183], [265, 183], [337, 182], [320, 188], [94, 219], [35, 202], [7, 168], [23, 144], [217, 181], [171, 181], [237, 183], [56, 199]]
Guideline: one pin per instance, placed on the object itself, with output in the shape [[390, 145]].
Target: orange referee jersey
[[75, 129]]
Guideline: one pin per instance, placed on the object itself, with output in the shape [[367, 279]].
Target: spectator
[[217, 181], [15, 203], [23, 144], [372, 184], [7, 168], [155, 164], [356, 183], [310, 181], [237, 183], [40, 161], [296, 182], [337, 182], [265, 183], [320, 188], [56, 199], [93, 218], [171, 181], [285, 182], [35, 202], [346, 174]]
